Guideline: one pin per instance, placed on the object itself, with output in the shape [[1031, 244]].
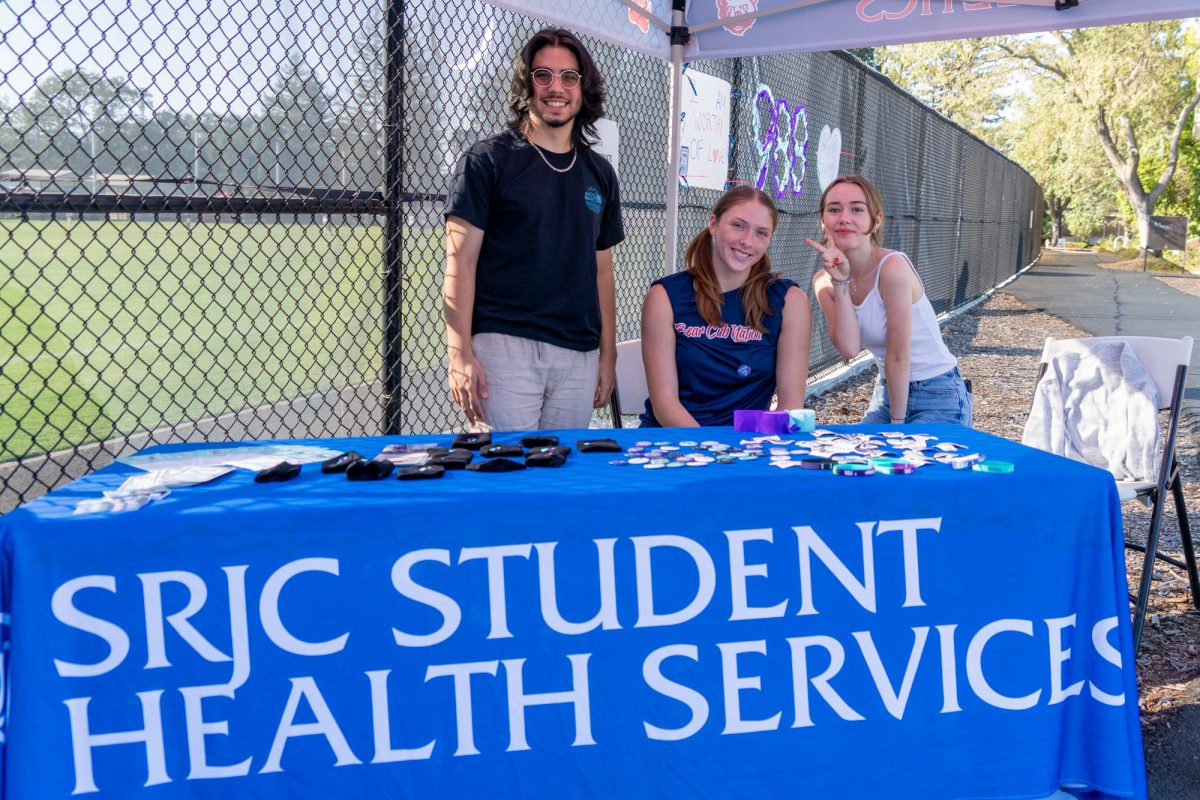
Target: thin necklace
[[567, 168], [857, 284]]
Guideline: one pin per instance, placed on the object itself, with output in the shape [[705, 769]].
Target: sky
[[196, 54]]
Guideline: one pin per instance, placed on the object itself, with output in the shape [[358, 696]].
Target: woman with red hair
[[728, 333]]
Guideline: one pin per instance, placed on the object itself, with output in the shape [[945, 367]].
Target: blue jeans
[[942, 398]]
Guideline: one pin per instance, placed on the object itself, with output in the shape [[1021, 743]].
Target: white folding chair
[[1166, 361], [630, 393]]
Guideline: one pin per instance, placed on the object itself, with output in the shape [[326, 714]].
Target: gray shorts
[[534, 385]]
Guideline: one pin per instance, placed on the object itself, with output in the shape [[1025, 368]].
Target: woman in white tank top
[[872, 297]]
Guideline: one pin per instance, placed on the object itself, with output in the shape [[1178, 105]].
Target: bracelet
[[837, 282], [897, 421]]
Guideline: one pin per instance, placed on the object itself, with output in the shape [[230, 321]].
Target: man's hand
[[468, 386], [606, 380]]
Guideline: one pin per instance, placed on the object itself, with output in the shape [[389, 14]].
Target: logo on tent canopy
[[731, 8], [640, 20]]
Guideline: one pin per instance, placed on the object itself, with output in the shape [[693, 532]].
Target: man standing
[[531, 216]]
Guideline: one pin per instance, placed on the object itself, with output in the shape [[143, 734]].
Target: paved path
[[1108, 302]]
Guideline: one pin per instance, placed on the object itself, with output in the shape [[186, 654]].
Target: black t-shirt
[[536, 276]]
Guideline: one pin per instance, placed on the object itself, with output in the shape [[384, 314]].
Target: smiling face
[[554, 106], [846, 217], [740, 238]]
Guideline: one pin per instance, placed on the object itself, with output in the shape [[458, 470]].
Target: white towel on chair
[[1097, 404]]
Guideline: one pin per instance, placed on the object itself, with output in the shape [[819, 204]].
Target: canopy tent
[[685, 30]]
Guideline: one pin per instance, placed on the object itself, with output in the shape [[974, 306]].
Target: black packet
[[340, 462], [372, 470], [539, 440], [457, 458], [545, 457], [502, 451], [496, 465], [598, 446], [421, 472], [561, 449], [283, 471], [471, 441]]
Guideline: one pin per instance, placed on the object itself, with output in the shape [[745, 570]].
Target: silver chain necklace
[[567, 168]]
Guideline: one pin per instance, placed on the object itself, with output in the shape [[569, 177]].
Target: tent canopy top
[[733, 28]]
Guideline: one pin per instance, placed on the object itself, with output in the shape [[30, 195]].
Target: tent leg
[[674, 129]]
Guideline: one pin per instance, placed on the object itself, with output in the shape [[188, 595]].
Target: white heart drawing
[[829, 155]]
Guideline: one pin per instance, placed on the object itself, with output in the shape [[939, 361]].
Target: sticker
[[967, 461], [744, 370]]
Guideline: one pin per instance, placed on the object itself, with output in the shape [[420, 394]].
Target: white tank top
[[928, 356]]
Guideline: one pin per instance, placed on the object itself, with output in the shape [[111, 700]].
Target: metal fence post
[[393, 235]]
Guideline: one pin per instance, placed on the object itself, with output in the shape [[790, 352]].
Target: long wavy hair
[[698, 258], [874, 205], [592, 89]]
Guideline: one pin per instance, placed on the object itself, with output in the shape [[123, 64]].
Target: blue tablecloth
[[736, 630]]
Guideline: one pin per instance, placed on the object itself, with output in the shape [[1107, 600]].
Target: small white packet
[[115, 504], [169, 478]]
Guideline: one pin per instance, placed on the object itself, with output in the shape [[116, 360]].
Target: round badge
[[816, 462], [744, 370]]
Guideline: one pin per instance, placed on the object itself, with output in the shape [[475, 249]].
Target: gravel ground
[[998, 344]]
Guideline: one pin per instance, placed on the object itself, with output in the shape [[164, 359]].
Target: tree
[[1124, 91], [866, 55], [83, 121], [968, 80], [1072, 170], [1133, 85], [298, 121]]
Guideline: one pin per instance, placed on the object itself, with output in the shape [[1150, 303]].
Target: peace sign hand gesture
[[836, 263]]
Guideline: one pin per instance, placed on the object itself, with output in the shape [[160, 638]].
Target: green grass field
[[116, 327]]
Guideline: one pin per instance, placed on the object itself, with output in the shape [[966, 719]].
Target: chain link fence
[[221, 219]]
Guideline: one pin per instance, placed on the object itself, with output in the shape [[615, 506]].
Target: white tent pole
[[673, 133]]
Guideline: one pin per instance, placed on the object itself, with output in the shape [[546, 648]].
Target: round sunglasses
[[567, 78]]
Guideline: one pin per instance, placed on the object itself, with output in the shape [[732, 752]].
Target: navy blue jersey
[[722, 369]]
